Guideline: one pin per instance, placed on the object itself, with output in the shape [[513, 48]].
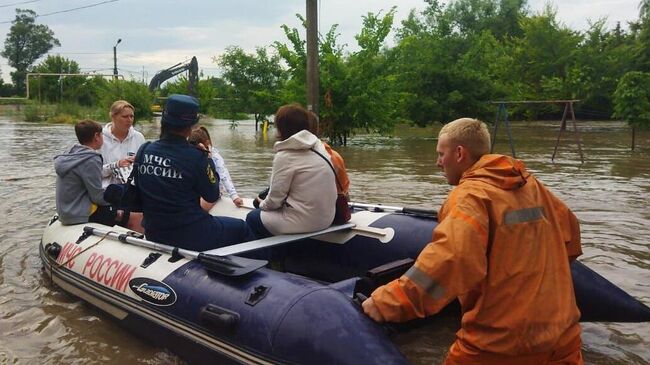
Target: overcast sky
[[157, 34]]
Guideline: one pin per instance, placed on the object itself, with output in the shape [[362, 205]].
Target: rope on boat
[[59, 265]]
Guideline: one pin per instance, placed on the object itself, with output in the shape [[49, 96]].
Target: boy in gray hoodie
[[79, 193]]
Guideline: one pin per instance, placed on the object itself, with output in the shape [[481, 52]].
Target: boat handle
[[219, 318]]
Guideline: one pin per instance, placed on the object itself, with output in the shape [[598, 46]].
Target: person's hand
[[238, 201], [205, 148], [371, 310], [125, 161]]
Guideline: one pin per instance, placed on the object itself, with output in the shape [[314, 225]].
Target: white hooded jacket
[[302, 195], [113, 150]]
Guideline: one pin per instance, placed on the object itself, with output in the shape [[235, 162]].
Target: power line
[[78, 8], [24, 2], [85, 53], [67, 10], [129, 71]]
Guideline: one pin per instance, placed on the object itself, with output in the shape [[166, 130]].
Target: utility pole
[[115, 59], [312, 57]]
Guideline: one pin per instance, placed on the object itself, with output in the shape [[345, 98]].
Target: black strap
[[336, 177]]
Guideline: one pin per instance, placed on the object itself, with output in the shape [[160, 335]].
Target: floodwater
[[40, 324]]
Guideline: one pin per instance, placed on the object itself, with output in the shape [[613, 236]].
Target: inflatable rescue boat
[[222, 306]]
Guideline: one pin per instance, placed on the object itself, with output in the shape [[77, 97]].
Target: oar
[[224, 265], [274, 241], [366, 230], [403, 210]]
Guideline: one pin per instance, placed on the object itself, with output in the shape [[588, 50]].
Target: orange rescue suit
[[343, 185], [502, 247]]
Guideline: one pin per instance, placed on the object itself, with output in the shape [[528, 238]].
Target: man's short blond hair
[[118, 106], [469, 133]]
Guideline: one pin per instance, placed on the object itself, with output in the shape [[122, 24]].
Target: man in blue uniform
[[172, 178]]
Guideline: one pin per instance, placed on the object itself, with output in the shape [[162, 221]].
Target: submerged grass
[[61, 113]]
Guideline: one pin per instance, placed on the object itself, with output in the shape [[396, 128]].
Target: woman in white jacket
[[302, 193], [121, 142]]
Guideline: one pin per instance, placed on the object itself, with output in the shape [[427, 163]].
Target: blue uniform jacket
[[172, 176]]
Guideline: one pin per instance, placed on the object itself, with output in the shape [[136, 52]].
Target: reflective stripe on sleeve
[[425, 282], [523, 215]]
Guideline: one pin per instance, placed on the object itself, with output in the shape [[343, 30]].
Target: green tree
[[501, 17], [3, 87], [445, 70], [26, 42], [255, 80], [641, 32], [356, 90], [56, 88], [600, 61], [222, 103], [134, 92], [632, 100], [90, 92], [208, 92], [543, 59], [367, 98], [644, 9], [294, 55]]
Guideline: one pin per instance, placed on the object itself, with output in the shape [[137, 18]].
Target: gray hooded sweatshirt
[[78, 183]]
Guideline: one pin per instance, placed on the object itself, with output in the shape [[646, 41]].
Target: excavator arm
[[191, 67]]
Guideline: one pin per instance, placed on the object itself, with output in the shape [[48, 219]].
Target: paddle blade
[[230, 265]]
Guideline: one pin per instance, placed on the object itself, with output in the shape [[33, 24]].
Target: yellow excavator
[[192, 68]]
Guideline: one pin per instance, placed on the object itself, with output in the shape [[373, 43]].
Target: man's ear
[[461, 153]]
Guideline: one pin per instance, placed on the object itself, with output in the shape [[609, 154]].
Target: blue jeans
[[203, 235], [254, 221]]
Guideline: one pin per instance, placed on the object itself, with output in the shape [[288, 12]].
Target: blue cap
[[180, 111]]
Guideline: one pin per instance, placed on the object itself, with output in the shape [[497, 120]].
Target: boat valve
[[53, 250]]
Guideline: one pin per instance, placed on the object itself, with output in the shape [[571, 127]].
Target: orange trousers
[[568, 354]]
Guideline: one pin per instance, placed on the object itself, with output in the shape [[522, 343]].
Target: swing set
[[502, 113]]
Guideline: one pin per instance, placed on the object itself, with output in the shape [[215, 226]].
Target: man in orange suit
[[503, 247]]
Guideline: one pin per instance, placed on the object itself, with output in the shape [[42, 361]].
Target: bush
[[63, 119], [68, 109], [134, 92], [33, 113]]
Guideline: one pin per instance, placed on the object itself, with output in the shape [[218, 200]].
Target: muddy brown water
[[40, 324]]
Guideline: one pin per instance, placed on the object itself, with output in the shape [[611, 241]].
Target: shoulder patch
[[210, 173]]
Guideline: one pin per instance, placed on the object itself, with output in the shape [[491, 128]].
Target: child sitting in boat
[[200, 135], [79, 193]]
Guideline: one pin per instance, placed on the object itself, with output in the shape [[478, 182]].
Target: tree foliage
[[134, 92], [452, 59], [356, 92], [26, 42], [255, 80], [52, 88], [632, 99], [210, 92], [447, 61]]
